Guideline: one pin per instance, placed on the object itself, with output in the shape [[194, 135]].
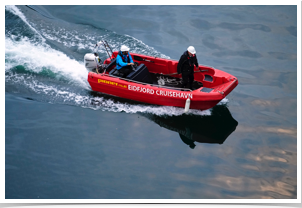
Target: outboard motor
[[90, 61], [93, 62]]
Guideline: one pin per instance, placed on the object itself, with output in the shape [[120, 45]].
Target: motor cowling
[[90, 61]]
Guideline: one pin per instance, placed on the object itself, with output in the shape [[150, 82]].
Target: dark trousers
[[125, 71], [187, 78]]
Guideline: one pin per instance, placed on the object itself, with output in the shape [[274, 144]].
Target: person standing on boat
[[185, 66], [124, 61]]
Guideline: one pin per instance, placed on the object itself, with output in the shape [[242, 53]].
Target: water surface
[[63, 141]]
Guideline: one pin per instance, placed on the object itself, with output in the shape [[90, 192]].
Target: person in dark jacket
[[185, 66], [124, 61]]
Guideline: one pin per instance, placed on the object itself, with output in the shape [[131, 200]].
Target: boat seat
[[113, 62], [115, 72]]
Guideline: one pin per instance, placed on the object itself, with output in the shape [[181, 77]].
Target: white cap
[[124, 48], [191, 49]]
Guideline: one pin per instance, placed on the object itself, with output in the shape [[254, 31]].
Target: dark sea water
[[63, 141]]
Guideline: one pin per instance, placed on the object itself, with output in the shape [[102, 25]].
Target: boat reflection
[[214, 128]]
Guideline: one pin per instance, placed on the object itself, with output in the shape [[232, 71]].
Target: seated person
[[124, 61]]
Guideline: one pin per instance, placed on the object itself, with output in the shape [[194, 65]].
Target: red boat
[[155, 81]]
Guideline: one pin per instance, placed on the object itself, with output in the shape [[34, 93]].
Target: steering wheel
[[134, 66]]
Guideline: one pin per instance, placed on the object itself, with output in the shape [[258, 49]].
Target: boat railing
[[153, 85], [234, 80], [225, 89]]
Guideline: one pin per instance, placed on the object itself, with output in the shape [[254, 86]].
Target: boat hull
[[152, 94]]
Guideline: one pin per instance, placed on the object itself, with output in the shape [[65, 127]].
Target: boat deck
[[168, 81]]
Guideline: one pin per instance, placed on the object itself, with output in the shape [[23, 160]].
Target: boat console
[[139, 74]]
